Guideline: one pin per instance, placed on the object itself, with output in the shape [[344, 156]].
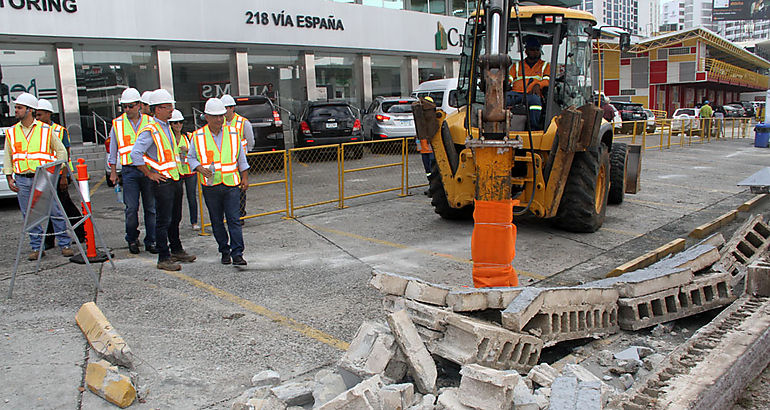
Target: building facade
[[744, 30], [621, 13], [81, 54]]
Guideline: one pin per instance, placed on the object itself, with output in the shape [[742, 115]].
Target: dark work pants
[[191, 190], [168, 214], [242, 204], [222, 202], [134, 185], [73, 213]]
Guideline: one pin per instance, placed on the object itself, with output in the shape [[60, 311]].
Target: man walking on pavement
[[155, 155], [29, 144], [122, 138], [43, 114], [219, 145], [245, 133]]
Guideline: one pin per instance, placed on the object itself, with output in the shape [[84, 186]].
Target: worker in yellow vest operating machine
[[537, 76], [135, 184], [245, 133], [216, 146], [155, 155], [29, 144]]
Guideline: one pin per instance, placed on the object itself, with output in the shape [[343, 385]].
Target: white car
[[5, 191], [685, 119], [650, 120], [617, 120], [443, 92]]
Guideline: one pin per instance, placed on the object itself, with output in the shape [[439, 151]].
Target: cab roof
[[529, 11]]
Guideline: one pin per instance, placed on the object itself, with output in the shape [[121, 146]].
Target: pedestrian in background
[[719, 122], [705, 117], [218, 146], [188, 177], [145, 99], [122, 138], [30, 144], [155, 155], [245, 133]]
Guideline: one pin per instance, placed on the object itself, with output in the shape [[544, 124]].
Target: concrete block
[[430, 317], [558, 324], [485, 388], [371, 350], [450, 400], [102, 337], [543, 374], [421, 364], [704, 293], [647, 281], [266, 378], [748, 244], [696, 258], [428, 402], [629, 354], [397, 396], [523, 399], [363, 396], [426, 292], [467, 300], [104, 380], [589, 396], [758, 279], [389, 283], [523, 308], [542, 400], [328, 385], [585, 376], [294, 394], [564, 393]]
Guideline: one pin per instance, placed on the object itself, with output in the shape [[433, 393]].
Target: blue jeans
[[535, 106], [168, 206], [25, 186], [191, 190], [134, 184], [222, 202]]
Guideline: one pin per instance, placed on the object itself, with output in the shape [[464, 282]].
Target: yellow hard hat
[[429, 98]]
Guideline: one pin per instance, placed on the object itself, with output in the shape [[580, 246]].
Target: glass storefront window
[[279, 77], [387, 75], [103, 73], [334, 78], [419, 5], [430, 69], [463, 8], [198, 76], [437, 6], [388, 4]]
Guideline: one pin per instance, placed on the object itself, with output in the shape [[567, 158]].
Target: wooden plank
[[675, 246], [751, 203], [708, 228]]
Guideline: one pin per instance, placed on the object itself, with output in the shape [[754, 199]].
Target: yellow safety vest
[[238, 122], [58, 131], [166, 164], [184, 166], [126, 137], [28, 153], [225, 159]]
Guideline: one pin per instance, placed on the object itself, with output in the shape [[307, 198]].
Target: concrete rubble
[[748, 244]]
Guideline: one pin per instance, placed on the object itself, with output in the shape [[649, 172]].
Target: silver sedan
[[389, 117]]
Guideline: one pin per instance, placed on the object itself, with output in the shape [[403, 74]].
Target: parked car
[[732, 111], [748, 108], [630, 112], [650, 120], [739, 110], [389, 117], [443, 92], [330, 122], [685, 119], [5, 191], [265, 121]]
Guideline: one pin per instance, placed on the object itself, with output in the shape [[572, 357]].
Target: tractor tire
[[440, 202], [618, 165], [584, 201]]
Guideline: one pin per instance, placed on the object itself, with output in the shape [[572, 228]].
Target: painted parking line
[[418, 250], [276, 317], [98, 184]]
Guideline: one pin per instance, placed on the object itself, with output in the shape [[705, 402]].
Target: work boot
[[133, 247], [169, 265], [239, 261], [226, 259], [182, 257], [33, 255], [67, 252], [152, 249]]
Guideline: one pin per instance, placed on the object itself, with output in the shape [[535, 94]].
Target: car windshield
[[688, 112], [397, 107], [330, 111], [258, 110]]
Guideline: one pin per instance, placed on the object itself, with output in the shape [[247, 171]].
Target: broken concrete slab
[[427, 402], [485, 388], [749, 243], [104, 380], [568, 393], [523, 399], [426, 292], [470, 300], [102, 337], [371, 350], [390, 283], [696, 258], [364, 395], [646, 281], [266, 378], [523, 308], [328, 385], [449, 399], [554, 325], [421, 364], [397, 396], [758, 279], [628, 354], [716, 240], [543, 374], [294, 393], [429, 317]]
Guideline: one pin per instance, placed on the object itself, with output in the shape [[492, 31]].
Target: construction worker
[[122, 138], [155, 155], [537, 75], [245, 132], [426, 153], [29, 144], [219, 145], [43, 114], [188, 177], [145, 100]]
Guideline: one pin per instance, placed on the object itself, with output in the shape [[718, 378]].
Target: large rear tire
[[584, 202], [440, 202], [618, 163]]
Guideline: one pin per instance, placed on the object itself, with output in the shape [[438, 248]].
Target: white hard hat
[[227, 100], [130, 95], [160, 96], [27, 100], [177, 116], [44, 105], [214, 106], [145, 98]]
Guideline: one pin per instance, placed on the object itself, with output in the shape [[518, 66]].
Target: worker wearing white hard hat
[[154, 154], [136, 186], [189, 181], [145, 99], [245, 131], [29, 144], [220, 160]]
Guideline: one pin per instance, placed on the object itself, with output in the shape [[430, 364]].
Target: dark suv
[[330, 122], [631, 112], [265, 121], [748, 108]]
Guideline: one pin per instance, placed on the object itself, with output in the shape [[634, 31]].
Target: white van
[[441, 91]]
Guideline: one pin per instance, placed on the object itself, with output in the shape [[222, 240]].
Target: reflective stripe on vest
[[184, 166], [58, 132], [166, 163], [126, 137], [237, 122], [538, 75], [225, 160], [29, 153]]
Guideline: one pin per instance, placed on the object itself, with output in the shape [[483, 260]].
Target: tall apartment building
[[697, 14], [633, 15], [744, 30]]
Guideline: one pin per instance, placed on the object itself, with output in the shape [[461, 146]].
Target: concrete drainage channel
[[463, 348]]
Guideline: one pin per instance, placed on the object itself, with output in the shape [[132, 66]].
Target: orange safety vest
[[166, 164], [540, 74], [29, 152], [425, 147], [225, 160], [237, 122], [124, 132]]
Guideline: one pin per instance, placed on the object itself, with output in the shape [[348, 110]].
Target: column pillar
[[363, 80], [410, 75], [165, 74], [69, 109], [308, 59], [239, 73], [451, 68]]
